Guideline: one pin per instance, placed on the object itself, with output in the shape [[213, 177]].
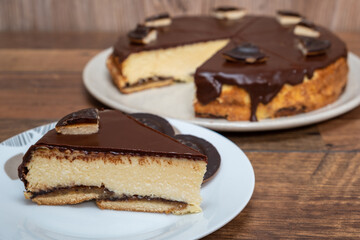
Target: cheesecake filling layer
[[181, 62], [124, 175]]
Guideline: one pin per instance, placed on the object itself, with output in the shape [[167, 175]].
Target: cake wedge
[[125, 165]]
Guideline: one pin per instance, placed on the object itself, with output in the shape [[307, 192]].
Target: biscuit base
[[145, 205], [78, 195], [323, 88]]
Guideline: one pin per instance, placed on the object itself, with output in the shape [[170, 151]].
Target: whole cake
[[244, 67], [117, 161]]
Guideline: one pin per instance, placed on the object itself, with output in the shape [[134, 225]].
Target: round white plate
[[176, 101], [223, 198]]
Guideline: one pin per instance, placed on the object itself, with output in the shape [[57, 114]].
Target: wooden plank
[[300, 139], [120, 16], [25, 60], [64, 40], [42, 95], [299, 195], [341, 134], [352, 40], [12, 127]]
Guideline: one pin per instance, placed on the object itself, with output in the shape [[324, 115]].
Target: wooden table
[[307, 179]]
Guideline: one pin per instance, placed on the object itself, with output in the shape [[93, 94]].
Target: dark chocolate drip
[[285, 65], [285, 62]]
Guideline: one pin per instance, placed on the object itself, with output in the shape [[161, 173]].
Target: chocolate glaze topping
[[155, 122], [118, 134], [285, 64]]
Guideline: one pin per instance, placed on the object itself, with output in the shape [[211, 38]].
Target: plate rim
[[299, 120], [176, 123]]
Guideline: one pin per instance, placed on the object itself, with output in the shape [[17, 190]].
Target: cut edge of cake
[[155, 182], [140, 71]]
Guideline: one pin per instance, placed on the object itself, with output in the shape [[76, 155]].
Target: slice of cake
[[125, 165]]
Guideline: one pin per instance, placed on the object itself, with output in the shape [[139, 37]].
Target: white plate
[[223, 198], [176, 101]]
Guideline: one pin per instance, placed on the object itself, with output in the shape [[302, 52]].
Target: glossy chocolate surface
[[89, 115], [285, 62], [118, 134], [155, 122]]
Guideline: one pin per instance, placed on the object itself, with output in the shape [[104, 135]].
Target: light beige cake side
[[153, 177], [140, 71]]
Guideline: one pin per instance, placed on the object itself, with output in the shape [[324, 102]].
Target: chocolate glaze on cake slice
[[124, 166]]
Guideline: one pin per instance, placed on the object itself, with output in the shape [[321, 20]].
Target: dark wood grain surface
[[120, 16], [307, 179]]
